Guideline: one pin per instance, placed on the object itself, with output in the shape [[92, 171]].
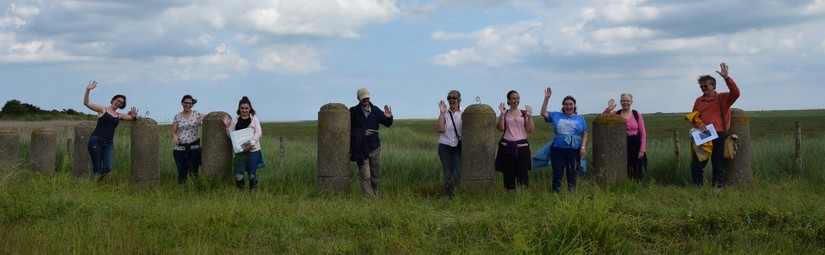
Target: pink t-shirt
[[514, 129]]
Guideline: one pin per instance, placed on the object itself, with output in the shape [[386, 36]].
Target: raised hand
[[528, 111], [133, 112], [442, 107], [723, 70], [611, 104], [548, 92], [387, 111], [501, 108], [92, 85]]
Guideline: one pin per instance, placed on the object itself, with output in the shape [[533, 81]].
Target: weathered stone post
[[42, 150], [478, 147], [216, 148], [333, 148], [9, 145], [81, 161], [609, 149], [738, 169], [145, 152]]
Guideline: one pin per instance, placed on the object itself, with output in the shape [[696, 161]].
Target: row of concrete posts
[[334, 168]]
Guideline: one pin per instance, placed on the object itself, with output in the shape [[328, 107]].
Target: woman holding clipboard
[[250, 154]]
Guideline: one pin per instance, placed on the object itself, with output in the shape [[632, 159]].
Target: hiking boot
[[241, 184], [253, 184]]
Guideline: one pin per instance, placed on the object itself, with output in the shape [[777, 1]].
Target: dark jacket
[[361, 146]]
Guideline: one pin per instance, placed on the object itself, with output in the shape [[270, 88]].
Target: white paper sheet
[[700, 137], [239, 137]]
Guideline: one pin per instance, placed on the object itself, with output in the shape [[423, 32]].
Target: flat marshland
[[780, 212]]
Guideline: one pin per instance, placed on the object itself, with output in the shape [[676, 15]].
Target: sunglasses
[[452, 98]]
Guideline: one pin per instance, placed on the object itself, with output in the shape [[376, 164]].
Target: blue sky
[[293, 56]]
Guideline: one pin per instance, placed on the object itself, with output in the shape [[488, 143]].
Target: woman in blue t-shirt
[[569, 142]]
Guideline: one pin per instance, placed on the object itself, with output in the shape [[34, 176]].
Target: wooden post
[[282, 153], [798, 153], [676, 152]]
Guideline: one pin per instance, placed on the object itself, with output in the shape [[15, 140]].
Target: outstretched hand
[[92, 85], [611, 104], [723, 70], [548, 92], [442, 107], [387, 111], [528, 111], [501, 108], [133, 112]]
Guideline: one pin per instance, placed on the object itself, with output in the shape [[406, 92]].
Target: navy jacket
[[361, 146]]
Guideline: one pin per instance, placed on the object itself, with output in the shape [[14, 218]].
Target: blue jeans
[[247, 161], [187, 162], [565, 162], [102, 151], [451, 163], [716, 157]]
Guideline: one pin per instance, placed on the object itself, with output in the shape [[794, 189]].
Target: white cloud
[[320, 17], [815, 8], [621, 33], [13, 51], [495, 46], [289, 60], [680, 43], [623, 11]]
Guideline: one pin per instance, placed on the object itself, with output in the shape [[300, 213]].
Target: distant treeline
[[16, 110]]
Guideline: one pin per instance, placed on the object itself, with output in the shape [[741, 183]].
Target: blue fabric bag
[[542, 157]]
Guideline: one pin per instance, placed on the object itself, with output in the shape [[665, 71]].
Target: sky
[[290, 57]]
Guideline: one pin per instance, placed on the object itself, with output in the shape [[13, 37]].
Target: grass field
[[779, 213]]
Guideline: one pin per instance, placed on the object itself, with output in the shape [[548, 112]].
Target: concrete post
[[478, 147], [81, 161], [216, 148], [9, 145], [42, 150], [609, 149], [738, 169], [145, 152], [333, 148]]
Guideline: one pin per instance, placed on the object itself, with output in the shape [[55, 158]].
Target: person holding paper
[[449, 142], [570, 140], [636, 135], [713, 106], [250, 156], [513, 157], [365, 144], [101, 141], [185, 141]]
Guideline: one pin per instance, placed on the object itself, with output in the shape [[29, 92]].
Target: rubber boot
[[253, 184]]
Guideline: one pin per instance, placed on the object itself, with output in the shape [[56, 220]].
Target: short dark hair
[[575, 109], [119, 96], [194, 101], [705, 78], [245, 100]]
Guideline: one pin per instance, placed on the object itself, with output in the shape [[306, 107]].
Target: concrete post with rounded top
[[42, 150], [333, 148], [81, 161], [216, 148], [478, 147], [9, 145], [609, 136], [738, 169], [145, 152]]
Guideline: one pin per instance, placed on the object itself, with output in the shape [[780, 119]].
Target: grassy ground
[[779, 213]]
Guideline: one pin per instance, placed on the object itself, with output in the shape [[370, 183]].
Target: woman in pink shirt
[[513, 158], [636, 135]]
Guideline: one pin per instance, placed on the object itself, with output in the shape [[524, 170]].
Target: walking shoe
[[253, 184], [241, 184]]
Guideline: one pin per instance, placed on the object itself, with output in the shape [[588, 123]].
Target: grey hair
[[455, 93], [626, 94]]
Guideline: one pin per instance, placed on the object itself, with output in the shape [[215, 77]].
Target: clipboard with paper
[[240, 139]]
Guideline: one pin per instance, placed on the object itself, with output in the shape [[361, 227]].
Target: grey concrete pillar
[[81, 160], [478, 147], [42, 150], [609, 136], [738, 169], [333, 148], [9, 145], [145, 152], [216, 148]]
